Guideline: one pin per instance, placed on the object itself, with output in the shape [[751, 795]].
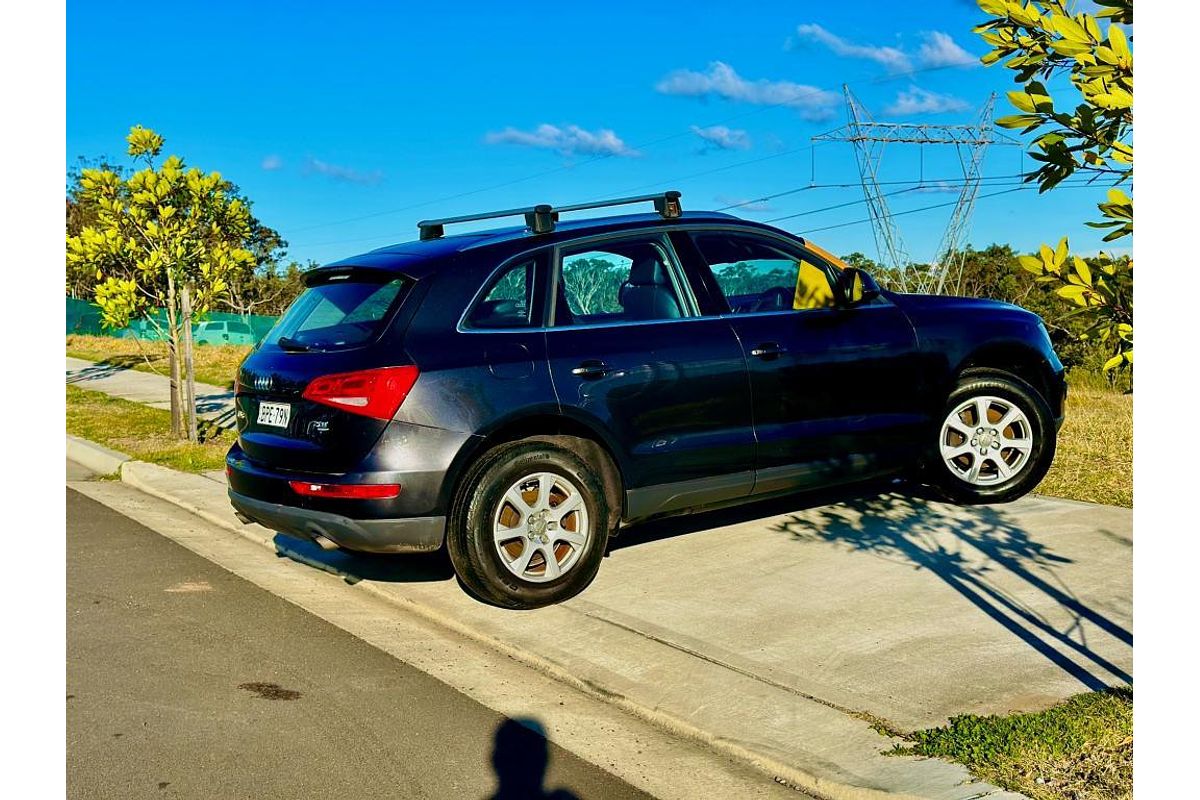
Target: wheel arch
[[597, 449], [1014, 359]]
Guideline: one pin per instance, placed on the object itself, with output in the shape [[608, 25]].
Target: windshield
[[344, 312]]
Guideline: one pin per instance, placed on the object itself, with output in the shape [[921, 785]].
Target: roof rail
[[542, 218]]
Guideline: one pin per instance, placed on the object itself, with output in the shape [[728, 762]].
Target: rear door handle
[[591, 369], [768, 350]]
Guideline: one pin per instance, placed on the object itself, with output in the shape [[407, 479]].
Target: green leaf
[[1118, 42], [1021, 101], [1081, 269], [1070, 29], [1076, 294], [1020, 121], [1118, 360], [1060, 252], [1031, 264]]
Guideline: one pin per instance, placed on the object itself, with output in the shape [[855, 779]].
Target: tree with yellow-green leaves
[[1043, 39], [165, 236]]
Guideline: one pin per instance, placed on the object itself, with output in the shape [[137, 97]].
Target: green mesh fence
[[215, 327]]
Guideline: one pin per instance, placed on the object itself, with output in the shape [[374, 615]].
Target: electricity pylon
[[869, 139]]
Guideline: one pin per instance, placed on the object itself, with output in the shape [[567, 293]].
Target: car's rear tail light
[[350, 491], [374, 393]]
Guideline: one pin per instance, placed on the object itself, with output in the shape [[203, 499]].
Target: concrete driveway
[[794, 632]]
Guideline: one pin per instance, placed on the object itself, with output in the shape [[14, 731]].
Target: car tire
[[974, 460], [522, 505]]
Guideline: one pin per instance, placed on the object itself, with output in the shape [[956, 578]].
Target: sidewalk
[[212, 402], [780, 633]]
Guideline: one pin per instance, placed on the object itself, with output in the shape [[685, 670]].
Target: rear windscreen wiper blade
[[291, 345]]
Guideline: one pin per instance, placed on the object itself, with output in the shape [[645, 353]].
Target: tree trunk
[[173, 357], [189, 374]]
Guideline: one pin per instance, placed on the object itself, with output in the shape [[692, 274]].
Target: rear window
[[343, 312]]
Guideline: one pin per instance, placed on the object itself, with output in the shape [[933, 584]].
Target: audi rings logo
[[263, 383]]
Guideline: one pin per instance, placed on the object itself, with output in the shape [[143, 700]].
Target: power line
[[933, 183], [866, 220], [603, 156]]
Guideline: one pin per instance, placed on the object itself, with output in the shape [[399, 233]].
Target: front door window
[[756, 275]]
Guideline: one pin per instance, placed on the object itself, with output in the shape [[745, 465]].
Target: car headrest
[[648, 271]]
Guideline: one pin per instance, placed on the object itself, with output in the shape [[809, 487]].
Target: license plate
[[274, 414]]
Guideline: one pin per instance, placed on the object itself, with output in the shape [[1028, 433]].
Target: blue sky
[[346, 123]]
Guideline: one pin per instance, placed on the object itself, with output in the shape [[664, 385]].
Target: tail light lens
[[374, 393], [348, 491]]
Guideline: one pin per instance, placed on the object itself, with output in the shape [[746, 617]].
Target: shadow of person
[[520, 756]]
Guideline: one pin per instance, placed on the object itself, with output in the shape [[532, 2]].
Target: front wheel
[[530, 525], [995, 441]]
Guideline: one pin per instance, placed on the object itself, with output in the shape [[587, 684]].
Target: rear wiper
[[291, 345]]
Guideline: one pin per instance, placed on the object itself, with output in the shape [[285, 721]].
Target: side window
[[757, 275], [509, 301], [623, 281]]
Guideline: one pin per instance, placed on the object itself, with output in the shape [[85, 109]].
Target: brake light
[[374, 393], [349, 491]]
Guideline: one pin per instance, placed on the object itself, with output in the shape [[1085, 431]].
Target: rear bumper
[[403, 535]]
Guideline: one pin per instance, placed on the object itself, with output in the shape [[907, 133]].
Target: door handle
[[591, 369], [768, 350]]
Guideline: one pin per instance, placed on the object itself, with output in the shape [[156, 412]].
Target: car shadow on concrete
[[904, 522], [355, 567]]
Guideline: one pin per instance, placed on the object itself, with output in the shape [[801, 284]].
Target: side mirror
[[856, 287]]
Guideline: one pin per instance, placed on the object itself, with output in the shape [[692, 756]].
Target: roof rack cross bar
[[542, 218]]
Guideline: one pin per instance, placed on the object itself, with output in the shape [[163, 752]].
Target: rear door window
[[622, 281], [510, 301], [343, 311]]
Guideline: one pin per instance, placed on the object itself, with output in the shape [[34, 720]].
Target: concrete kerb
[[97, 458], [207, 499]]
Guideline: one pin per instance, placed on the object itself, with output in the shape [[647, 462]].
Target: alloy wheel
[[540, 527], [986, 440]]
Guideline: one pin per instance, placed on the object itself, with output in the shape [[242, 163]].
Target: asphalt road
[[184, 680]]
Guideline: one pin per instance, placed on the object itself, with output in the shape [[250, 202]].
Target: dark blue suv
[[519, 394]]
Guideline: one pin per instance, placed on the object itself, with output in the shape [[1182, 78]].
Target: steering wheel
[[777, 298]]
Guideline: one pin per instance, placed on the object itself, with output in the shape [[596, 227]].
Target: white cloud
[[721, 80], [341, 173], [893, 58], [569, 140], [723, 138], [940, 50], [916, 100], [739, 204], [272, 163]]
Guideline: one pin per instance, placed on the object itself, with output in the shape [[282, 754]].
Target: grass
[[1081, 749], [140, 431], [1094, 461], [214, 364]]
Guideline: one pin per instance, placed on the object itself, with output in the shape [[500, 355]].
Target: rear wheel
[[995, 442], [530, 525]]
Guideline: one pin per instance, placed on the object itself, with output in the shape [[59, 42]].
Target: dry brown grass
[[214, 364], [1094, 462]]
